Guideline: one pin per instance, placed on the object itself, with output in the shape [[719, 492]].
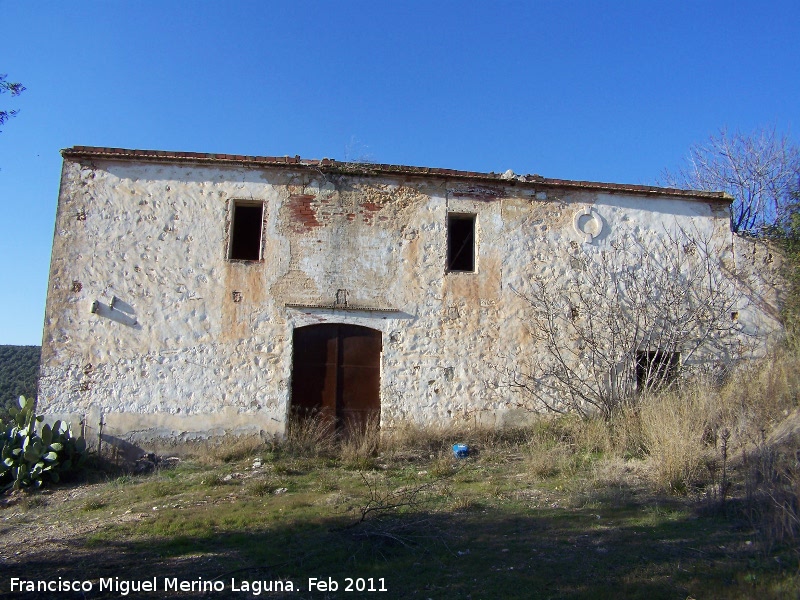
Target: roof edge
[[372, 169]]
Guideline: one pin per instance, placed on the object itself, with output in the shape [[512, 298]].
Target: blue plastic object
[[460, 450]]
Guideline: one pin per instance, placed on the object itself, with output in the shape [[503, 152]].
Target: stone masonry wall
[[150, 327]]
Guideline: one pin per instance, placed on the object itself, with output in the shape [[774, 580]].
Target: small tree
[[758, 170], [625, 322], [15, 89]]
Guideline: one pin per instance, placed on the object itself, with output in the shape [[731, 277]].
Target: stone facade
[[154, 328]]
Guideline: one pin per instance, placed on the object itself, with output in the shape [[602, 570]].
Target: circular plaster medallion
[[590, 228]]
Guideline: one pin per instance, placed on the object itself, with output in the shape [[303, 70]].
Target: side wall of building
[[151, 328]]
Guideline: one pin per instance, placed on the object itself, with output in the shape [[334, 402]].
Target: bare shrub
[[625, 321], [383, 499]]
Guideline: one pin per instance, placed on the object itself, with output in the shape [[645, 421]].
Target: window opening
[[461, 242], [246, 231], [656, 369]]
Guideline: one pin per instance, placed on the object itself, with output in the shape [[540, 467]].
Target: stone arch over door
[[336, 373]]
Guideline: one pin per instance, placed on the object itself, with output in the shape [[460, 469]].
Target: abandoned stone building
[[194, 295]]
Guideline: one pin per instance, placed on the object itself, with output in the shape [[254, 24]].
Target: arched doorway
[[336, 374]]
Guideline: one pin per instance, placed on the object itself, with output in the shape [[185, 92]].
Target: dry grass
[[93, 504], [310, 437], [411, 440], [758, 396], [673, 427], [550, 462], [737, 442], [562, 446], [261, 487], [414, 441], [232, 451], [679, 435], [772, 484], [358, 449], [626, 433], [443, 465]]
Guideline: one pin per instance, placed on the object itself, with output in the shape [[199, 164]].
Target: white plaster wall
[[177, 357]]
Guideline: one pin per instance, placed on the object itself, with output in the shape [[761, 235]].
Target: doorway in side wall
[[336, 374]]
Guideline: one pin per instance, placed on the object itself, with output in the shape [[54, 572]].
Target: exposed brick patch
[[304, 216], [371, 206], [369, 209]]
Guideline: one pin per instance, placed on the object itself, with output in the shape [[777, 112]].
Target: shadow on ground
[[635, 551]]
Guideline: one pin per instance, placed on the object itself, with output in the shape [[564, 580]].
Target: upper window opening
[[460, 242], [246, 231], [656, 369]]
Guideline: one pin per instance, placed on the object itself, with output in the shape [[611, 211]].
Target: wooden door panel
[[336, 372], [360, 346], [358, 387], [314, 371]]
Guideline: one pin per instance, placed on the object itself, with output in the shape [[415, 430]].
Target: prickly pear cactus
[[28, 458]]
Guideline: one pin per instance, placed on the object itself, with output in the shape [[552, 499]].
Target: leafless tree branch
[[670, 296], [760, 171]]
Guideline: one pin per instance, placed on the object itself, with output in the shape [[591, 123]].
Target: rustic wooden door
[[336, 374]]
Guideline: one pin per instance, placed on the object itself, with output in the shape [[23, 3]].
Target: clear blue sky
[[605, 91]]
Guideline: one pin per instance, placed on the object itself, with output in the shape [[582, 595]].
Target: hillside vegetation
[[19, 372]]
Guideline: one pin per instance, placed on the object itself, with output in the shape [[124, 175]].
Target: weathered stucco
[[184, 343]]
